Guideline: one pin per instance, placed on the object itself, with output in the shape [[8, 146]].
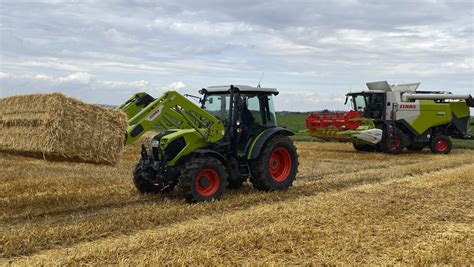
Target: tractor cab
[[369, 104], [245, 111]]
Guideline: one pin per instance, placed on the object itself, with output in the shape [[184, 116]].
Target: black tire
[[365, 148], [203, 179], [416, 147], [236, 183], [141, 183], [398, 147], [280, 176], [441, 144]]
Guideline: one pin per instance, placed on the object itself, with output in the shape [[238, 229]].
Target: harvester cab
[[390, 118], [231, 136]]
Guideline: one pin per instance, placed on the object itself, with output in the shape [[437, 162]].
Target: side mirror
[[347, 98]]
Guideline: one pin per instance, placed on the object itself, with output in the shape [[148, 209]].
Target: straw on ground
[[345, 208]]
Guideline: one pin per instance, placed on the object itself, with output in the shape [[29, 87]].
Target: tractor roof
[[242, 88]]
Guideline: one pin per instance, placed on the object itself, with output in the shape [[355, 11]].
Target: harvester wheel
[[365, 148], [142, 184], [398, 145], [441, 144], [276, 167], [203, 179]]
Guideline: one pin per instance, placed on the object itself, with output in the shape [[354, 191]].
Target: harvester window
[[375, 106], [359, 103]]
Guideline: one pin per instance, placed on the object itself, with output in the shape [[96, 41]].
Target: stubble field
[[345, 207]]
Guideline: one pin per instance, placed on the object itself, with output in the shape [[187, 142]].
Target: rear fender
[[256, 146]]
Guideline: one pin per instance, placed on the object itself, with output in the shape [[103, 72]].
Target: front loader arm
[[135, 104], [174, 111]]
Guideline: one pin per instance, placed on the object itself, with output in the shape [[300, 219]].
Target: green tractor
[[231, 136]]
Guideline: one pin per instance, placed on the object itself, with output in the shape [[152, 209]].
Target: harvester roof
[[242, 88], [384, 86]]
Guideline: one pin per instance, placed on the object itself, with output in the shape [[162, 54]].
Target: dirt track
[[345, 207]]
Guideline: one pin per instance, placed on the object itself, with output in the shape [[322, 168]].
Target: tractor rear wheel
[[141, 183], [276, 167], [203, 179], [441, 144]]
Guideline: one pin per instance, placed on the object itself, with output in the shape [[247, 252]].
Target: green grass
[[293, 122], [466, 143], [463, 143]]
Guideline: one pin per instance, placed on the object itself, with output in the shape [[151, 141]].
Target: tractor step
[[244, 170]]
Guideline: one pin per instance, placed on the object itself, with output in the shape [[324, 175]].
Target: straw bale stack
[[56, 127]]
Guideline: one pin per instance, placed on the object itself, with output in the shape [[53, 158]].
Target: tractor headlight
[[155, 143]]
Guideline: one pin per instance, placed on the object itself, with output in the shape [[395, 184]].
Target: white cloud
[[118, 37], [84, 86], [80, 77], [201, 28], [310, 101], [80, 85], [91, 49], [175, 86]]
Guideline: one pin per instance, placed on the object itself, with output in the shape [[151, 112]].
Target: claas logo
[[408, 106], [155, 113]]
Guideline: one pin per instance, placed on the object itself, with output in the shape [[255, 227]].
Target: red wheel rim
[[441, 145], [398, 142], [207, 182], [280, 164]]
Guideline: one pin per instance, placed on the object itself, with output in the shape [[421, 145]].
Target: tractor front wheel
[[141, 182], [203, 179], [276, 167], [441, 144]]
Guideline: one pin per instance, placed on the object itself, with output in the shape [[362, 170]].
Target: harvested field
[[345, 208], [56, 127]]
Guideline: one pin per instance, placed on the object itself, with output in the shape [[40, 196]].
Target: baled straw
[[57, 127]]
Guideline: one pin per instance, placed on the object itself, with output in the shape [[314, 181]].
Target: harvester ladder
[[391, 131]]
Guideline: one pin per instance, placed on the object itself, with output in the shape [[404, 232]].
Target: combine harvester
[[388, 118]]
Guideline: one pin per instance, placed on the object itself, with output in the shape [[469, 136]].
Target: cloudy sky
[[312, 51]]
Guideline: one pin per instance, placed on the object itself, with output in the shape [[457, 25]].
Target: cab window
[[261, 109], [218, 105], [359, 103]]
